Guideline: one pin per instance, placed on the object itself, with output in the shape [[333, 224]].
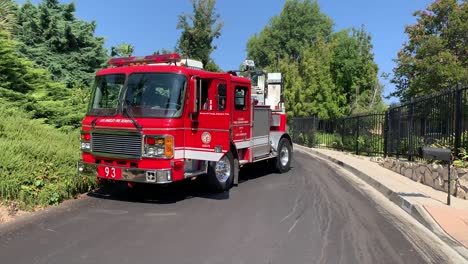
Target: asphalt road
[[312, 214]]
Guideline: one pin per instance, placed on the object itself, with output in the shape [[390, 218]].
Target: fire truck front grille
[[117, 145]]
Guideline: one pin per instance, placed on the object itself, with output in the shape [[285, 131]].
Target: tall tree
[[326, 74], [32, 88], [15, 73], [436, 54], [199, 30], [354, 71], [7, 16], [309, 87], [122, 50], [299, 25], [51, 36]]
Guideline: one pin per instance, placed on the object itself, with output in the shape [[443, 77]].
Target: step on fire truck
[[160, 119]]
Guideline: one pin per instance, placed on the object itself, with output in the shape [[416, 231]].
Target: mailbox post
[[439, 154]]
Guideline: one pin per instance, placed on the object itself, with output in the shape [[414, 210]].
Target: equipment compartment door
[[261, 132]]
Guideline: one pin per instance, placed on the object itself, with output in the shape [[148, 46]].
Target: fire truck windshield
[[105, 97], [159, 95]]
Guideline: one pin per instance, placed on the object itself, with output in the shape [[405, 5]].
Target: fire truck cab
[[157, 119]]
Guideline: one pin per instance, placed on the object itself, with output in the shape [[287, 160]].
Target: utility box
[[274, 90]]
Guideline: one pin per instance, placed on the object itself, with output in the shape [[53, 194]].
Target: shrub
[[37, 161]]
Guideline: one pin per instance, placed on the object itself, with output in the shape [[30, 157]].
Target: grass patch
[[37, 161]]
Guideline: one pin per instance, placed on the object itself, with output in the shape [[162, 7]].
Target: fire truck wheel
[[221, 173], [283, 161]]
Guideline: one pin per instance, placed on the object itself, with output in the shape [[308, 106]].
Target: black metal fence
[[360, 134], [440, 119]]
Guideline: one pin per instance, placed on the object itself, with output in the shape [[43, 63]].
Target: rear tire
[[283, 160], [221, 173]]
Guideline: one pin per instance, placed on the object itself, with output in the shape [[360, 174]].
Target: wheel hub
[[223, 169], [284, 156]]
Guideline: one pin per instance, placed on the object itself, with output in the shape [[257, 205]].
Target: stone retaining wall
[[434, 175]]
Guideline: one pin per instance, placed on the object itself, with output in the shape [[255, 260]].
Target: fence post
[[410, 131], [399, 134], [300, 124], [342, 133], [313, 130], [385, 131], [458, 119], [357, 136]]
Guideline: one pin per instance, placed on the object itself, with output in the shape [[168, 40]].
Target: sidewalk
[[424, 203]]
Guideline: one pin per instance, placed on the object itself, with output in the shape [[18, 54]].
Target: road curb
[[417, 211]]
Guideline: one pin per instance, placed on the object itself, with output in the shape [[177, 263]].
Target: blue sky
[[151, 25]]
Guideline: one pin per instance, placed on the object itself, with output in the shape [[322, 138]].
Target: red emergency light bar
[[137, 60]]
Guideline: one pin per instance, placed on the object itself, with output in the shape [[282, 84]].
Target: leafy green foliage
[[199, 30], [51, 36], [122, 50], [366, 145], [435, 57], [462, 159], [17, 74], [61, 107], [164, 51], [309, 88], [32, 88], [38, 162], [212, 66], [49, 51], [326, 74], [7, 16], [354, 71], [299, 25]]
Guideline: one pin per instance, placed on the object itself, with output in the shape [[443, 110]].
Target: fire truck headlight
[[85, 146], [85, 141], [150, 152], [158, 146], [160, 152]]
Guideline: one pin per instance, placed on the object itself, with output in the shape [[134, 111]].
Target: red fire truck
[[155, 119]]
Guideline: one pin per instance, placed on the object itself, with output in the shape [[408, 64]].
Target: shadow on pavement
[[256, 170], [158, 194], [178, 191]]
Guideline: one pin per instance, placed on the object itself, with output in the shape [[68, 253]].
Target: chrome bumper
[[129, 174]]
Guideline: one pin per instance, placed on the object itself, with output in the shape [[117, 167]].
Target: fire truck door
[[208, 136], [241, 118]]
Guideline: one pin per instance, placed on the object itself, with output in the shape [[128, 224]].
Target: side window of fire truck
[[240, 98], [221, 96], [204, 96], [213, 96]]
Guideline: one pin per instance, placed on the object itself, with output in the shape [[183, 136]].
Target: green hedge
[[367, 145], [37, 161]]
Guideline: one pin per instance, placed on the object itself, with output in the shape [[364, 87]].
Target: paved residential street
[[313, 214]]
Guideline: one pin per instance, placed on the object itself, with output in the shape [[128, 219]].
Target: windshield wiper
[[93, 123], [129, 112]]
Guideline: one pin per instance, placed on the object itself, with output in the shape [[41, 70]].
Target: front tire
[[221, 173], [283, 161]]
